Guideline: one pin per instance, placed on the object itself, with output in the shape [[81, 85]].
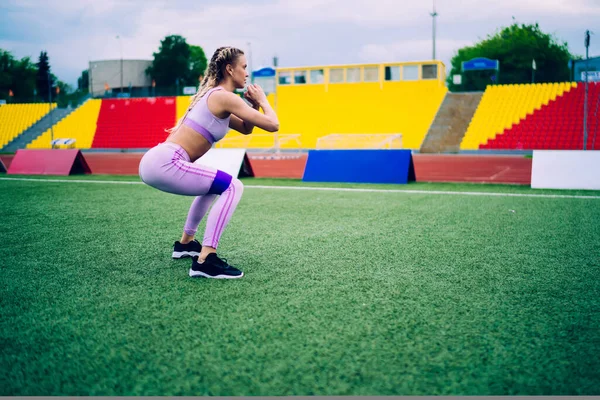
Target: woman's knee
[[224, 182], [238, 186]]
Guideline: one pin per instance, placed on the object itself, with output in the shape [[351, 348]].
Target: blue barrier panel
[[359, 166]]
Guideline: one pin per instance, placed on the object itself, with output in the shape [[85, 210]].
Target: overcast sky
[[299, 32]]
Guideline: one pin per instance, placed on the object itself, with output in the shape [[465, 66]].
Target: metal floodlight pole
[[275, 64], [91, 81], [250, 62], [585, 98], [121, 48], [597, 123], [434, 14], [50, 104]]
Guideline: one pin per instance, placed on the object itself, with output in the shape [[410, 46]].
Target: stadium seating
[[183, 102], [16, 118], [134, 123], [557, 125], [530, 116], [405, 107], [79, 125], [533, 116], [502, 106]]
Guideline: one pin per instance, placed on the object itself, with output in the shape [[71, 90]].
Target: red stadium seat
[[134, 123], [557, 125]]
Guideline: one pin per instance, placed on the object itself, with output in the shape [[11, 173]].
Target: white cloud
[[386, 13], [410, 50], [301, 32], [67, 8]]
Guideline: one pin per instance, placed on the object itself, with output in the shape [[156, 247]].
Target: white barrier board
[[566, 169], [227, 160]]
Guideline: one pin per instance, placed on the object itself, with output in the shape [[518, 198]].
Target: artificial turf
[[344, 293]]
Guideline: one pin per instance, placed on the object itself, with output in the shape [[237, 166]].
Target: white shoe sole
[[199, 274], [182, 254]]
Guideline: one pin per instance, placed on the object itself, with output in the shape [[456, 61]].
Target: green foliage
[[198, 65], [44, 81], [83, 82], [29, 82], [515, 47], [177, 63], [18, 76]]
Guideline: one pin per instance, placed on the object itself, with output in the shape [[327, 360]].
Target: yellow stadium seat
[[404, 107], [79, 125], [503, 106], [16, 118], [183, 102]]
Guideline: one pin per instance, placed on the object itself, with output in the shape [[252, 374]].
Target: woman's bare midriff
[[194, 144]]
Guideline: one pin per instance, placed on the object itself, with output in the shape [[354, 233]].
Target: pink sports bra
[[204, 122]]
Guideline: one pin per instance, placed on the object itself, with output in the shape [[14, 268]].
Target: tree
[[198, 64], [44, 77], [177, 63], [515, 47], [7, 62], [16, 76], [172, 61], [83, 82], [24, 80]]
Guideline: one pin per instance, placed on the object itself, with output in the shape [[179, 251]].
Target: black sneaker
[[191, 249], [214, 267]]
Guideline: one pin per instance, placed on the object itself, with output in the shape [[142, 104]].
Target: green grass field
[[344, 293]]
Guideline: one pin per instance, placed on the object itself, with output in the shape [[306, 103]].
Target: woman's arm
[[251, 116], [240, 125]]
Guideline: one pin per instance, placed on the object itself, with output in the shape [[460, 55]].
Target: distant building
[[265, 78], [579, 66], [105, 77]]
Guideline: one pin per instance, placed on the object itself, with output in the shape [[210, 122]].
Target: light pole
[[250, 62], [91, 78], [121, 47], [50, 113], [434, 14], [585, 99]]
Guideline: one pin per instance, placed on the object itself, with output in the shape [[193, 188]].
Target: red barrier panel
[[48, 162], [114, 163]]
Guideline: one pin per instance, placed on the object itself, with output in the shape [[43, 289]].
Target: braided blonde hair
[[215, 73]]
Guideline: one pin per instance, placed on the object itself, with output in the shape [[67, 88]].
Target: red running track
[[473, 168]]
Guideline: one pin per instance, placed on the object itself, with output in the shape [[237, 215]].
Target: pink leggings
[[167, 167]]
